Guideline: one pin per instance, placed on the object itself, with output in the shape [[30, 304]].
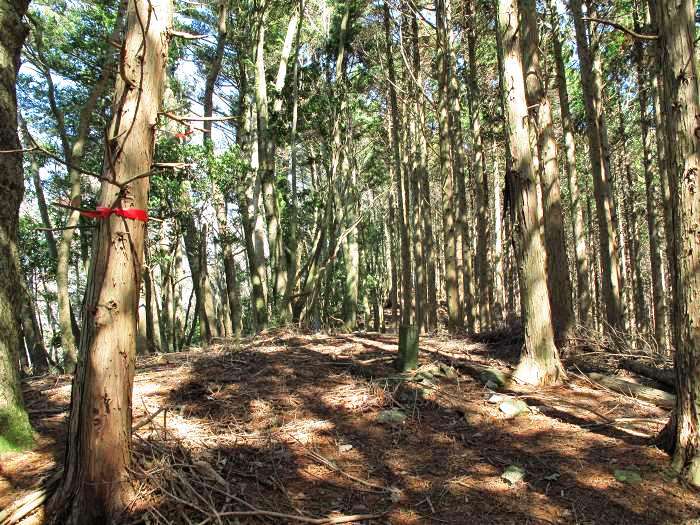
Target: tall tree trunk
[[424, 197], [15, 431], [681, 109], [293, 241], [351, 254], [498, 252], [406, 278], [634, 276], [481, 182], [249, 197], [266, 153], [583, 291], [418, 176], [151, 316], [657, 281], [195, 244], [454, 320], [94, 487], [539, 363], [464, 253], [218, 200], [559, 283], [591, 84]]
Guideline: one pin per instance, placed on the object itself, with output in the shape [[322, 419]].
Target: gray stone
[[514, 407]]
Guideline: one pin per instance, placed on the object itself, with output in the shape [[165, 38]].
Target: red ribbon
[[102, 212]]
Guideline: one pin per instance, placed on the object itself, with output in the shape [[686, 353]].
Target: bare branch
[[187, 36], [620, 27]]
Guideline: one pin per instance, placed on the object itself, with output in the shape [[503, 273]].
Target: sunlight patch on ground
[[305, 430]]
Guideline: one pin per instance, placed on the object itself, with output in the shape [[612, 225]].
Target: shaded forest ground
[[322, 426]]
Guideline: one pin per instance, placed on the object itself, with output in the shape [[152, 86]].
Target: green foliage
[[33, 249]]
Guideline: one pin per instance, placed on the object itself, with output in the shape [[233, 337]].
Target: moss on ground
[[16, 432]]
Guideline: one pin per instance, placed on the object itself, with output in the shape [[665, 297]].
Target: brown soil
[[288, 422]]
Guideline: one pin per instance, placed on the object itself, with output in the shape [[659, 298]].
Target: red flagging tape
[[102, 212]]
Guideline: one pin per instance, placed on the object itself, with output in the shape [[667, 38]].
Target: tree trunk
[[248, 194], [232, 299], [681, 108], [152, 330], [15, 430], [418, 176], [463, 251], [591, 84], [194, 245], [539, 363], [583, 291], [481, 182], [94, 487], [266, 154], [657, 282], [31, 331], [559, 283], [446, 173], [424, 197], [293, 255], [498, 252], [406, 278]]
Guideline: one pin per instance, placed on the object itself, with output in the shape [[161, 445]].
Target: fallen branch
[[664, 376], [328, 463], [645, 393], [146, 421], [29, 503], [303, 519]]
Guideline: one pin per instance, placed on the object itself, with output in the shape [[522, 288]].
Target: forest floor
[[321, 426]]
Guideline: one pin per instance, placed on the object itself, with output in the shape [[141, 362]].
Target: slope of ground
[[290, 428]]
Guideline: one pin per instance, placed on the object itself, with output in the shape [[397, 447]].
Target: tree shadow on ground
[[294, 424]]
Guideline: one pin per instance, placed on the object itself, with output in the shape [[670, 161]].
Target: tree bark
[[15, 430], [406, 278], [583, 290], [94, 487], [559, 283], [539, 363], [423, 197], [481, 182], [657, 281], [591, 84], [449, 228], [681, 109]]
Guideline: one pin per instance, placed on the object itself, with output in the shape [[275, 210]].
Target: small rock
[[345, 448], [630, 477], [514, 407], [513, 474], [448, 371], [391, 416], [496, 398], [493, 375]]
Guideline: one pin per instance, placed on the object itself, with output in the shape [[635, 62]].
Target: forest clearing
[[323, 426], [349, 261]]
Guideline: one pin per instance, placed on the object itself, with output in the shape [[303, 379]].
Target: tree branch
[[620, 27], [187, 36]]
